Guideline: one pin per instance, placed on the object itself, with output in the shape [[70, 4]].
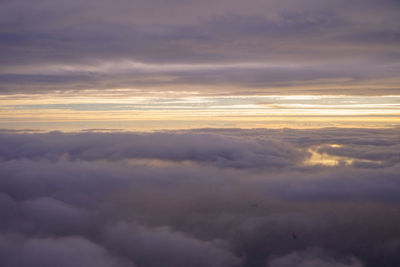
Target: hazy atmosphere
[[222, 133], [149, 64]]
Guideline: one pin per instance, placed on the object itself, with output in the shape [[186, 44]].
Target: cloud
[[312, 257], [228, 151], [65, 46], [205, 197], [47, 252], [161, 247]]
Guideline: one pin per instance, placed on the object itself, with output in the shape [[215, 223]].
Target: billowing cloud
[[200, 198], [230, 151], [47, 252], [312, 257], [161, 246]]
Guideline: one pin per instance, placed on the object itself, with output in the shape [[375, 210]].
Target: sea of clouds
[[206, 197]]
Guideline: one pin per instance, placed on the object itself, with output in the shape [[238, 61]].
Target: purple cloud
[[202, 198]]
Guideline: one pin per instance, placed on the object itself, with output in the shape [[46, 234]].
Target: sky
[[150, 65], [188, 133]]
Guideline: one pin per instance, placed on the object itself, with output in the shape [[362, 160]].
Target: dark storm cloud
[[198, 198], [359, 39]]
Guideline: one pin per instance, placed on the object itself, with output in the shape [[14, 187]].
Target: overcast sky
[[152, 64], [214, 46]]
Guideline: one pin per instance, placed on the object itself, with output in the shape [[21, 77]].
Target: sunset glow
[[200, 133]]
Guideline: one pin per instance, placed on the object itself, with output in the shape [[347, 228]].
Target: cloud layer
[[200, 198], [263, 45]]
